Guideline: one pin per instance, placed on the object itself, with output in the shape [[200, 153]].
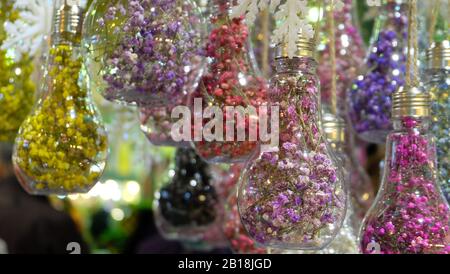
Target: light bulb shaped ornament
[[144, 52], [61, 147], [186, 206], [16, 84], [232, 87], [370, 96], [293, 197], [438, 83], [350, 52], [410, 214]]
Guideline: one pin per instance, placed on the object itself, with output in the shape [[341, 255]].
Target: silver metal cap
[[68, 18], [411, 101], [439, 55]]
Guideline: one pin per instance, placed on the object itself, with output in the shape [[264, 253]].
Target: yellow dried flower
[[62, 147], [16, 86]]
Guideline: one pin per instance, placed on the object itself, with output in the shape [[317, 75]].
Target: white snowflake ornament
[[27, 34], [291, 13]]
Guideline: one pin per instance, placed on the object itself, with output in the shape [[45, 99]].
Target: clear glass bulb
[[438, 83], [294, 197], [61, 147], [369, 98], [16, 83], [230, 80], [410, 214], [144, 52], [186, 206], [224, 180]]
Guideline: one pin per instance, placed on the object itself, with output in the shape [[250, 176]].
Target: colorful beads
[[16, 87], [61, 147], [410, 216]]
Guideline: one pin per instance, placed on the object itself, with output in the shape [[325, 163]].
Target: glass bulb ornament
[[144, 52], [186, 206], [350, 53], [231, 80], [438, 83], [437, 21], [345, 242], [293, 197], [61, 147], [410, 214], [130, 153], [16, 83], [369, 98]]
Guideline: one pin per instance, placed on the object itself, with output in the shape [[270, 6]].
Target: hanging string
[[332, 33], [317, 27], [412, 68], [433, 19]]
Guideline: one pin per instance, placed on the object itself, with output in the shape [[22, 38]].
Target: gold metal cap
[[411, 101], [68, 18], [439, 55], [334, 128], [305, 48]]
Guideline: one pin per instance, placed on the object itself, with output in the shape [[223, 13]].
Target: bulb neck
[[306, 65], [438, 56], [406, 123], [305, 48]]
